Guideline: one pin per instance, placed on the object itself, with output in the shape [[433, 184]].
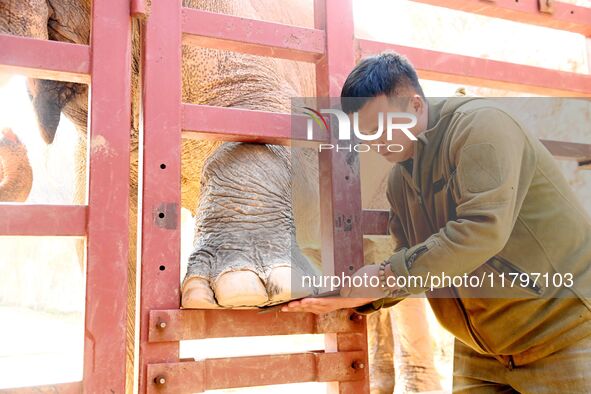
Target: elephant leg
[[379, 328], [245, 252], [414, 358], [380, 348]]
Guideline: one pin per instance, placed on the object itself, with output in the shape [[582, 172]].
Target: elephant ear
[[16, 174]]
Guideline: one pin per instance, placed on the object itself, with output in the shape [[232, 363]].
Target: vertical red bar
[[340, 190], [106, 278], [161, 190]]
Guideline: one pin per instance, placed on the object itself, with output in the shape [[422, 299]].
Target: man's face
[[368, 123]]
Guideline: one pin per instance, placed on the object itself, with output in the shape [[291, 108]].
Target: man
[[477, 194]]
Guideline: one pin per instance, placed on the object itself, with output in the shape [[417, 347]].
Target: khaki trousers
[[566, 371]]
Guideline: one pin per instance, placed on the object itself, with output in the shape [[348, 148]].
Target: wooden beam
[[447, 67], [565, 16], [44, 59], [232, 33]]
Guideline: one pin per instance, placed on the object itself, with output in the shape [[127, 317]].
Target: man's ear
[[417, 104]]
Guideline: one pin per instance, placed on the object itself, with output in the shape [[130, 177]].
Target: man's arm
[[494, 168]]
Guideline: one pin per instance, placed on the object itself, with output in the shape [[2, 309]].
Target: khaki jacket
[[485, 197]]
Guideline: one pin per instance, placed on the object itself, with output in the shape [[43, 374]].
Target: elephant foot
[[242, 289], [245, 247]]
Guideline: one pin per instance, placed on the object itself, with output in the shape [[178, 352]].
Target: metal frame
[[331, 45], [105, 64]]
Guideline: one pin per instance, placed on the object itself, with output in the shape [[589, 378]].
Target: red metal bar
[[161, 189], [45, 59], [565, 16], [52, 220], [209, 29], [340, 190], [177, 325], [568, 150], [375, 222], [446, 67], [139, 8], [212, 374], [106, 283], [235, 124], [59, 388]]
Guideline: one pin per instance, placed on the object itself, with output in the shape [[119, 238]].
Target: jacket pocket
[[515, 277]]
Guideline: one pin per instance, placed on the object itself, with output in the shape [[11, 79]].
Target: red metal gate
[[105, 65], [330, 46]]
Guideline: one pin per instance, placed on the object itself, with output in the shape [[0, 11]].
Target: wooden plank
[[161, 188], [184, 324], [41, 220], [236, 124], [212, 374], [58, 388], [226, 32], [447, 67], [44, 59], [108, 194], [340, 188], [565, 16]]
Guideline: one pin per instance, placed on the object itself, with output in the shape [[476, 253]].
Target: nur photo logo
[[378, 140]]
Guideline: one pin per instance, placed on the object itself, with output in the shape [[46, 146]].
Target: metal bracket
[[546, 6]]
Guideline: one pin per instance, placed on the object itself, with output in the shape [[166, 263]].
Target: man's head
[[385, 83]]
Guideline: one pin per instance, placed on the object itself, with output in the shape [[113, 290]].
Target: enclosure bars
[[331, 46], [105, 64], [162, 323]]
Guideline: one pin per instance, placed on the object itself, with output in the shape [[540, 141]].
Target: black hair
[[373, 76]]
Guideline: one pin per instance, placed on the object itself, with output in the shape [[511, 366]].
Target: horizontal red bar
[[375, 222], [183, 324], [569, 150], [45, 59], [43, 220], [223, 373], [58, 388], [252, 36], [565, 16], [235, 124], [447, 67]]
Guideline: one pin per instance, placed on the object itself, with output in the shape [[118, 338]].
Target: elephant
[[16, 174], [250, 240]]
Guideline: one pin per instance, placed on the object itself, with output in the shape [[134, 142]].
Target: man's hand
[[351, 297], [324, 305]]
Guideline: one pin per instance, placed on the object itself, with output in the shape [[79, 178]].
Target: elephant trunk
[[16, 175], [49, 99]]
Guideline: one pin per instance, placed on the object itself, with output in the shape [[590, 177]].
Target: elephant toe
[[240, 289], [197, 294], [285, 283]]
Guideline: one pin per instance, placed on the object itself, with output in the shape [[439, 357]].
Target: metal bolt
[[356, 317], [160, 380], [358, 364], [161, 324]]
